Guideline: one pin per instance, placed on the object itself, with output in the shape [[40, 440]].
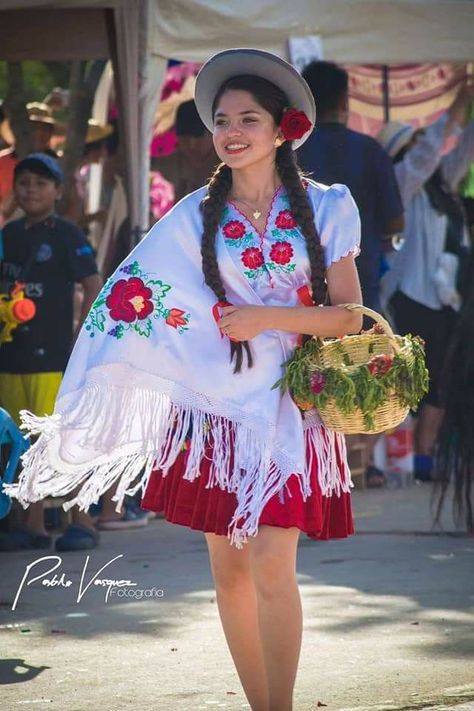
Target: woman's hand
[[242, 323]]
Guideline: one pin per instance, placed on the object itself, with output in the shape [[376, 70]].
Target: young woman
[[171, 382]]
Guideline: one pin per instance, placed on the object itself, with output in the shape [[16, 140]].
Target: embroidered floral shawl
[[150, 368]]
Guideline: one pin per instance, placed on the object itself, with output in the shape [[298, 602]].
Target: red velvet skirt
[[190, 504]]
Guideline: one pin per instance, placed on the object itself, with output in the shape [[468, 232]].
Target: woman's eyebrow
[[241, 113]]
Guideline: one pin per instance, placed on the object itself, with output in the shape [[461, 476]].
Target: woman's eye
[[219, 122], [249, 120]]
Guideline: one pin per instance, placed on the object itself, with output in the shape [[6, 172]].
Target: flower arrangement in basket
[[365, 383]]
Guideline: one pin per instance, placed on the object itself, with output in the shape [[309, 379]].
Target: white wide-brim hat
[[394, 136], [235, 62]]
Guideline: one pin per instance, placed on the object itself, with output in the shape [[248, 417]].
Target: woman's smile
[[234, 147]]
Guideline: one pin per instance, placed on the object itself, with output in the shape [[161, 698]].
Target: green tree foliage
[[39, 78]]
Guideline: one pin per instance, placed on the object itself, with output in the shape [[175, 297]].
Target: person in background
[[55, 255], [42, 129], [7, 139], [336, 154], [194, 160], [95, 151], [422, 286], [454, 449]]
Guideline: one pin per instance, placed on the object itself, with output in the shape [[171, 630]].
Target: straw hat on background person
[[97, 131], [40, 113]]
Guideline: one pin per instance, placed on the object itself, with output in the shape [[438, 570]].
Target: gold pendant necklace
[[255, 212]]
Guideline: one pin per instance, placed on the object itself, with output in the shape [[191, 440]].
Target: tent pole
[[385, 93]]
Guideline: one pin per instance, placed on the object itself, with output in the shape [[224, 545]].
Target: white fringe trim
[[133, 431]]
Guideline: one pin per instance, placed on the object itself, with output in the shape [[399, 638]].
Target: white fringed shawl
[[148, 363]]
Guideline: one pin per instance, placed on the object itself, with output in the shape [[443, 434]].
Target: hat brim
[[98, 133], [36, 118], [235, 62]]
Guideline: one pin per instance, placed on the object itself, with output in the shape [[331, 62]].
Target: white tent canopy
[[141, 35]]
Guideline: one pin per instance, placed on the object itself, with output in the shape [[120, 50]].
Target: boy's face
[[36, 194]]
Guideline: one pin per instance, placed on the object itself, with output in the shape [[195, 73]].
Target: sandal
[[77, 538]]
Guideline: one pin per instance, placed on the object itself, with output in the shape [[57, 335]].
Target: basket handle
[[358, 308]]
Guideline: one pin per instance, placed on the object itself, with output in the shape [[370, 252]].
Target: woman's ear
[[279, 140]]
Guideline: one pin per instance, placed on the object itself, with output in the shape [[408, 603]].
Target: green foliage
[[354, 388], [39, 78]]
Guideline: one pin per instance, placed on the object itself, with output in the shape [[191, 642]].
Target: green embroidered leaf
[[143, 328], [100, 321], [161, 288], [135, 269]]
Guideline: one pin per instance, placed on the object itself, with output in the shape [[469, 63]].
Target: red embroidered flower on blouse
[[175, 318], [252, 257], [129, 300], [234, 229], [294, 124], [285, 220], [281, 252]]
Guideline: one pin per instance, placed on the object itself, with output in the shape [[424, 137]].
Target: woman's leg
[[237, 603], [273, 563]]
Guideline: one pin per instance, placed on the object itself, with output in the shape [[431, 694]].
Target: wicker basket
[[352, 351]]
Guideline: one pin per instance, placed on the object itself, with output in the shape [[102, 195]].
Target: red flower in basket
[[281, 252], [175, 318], [317, 382], [129, 300], [294, 124], [380, 364], [252, 258], [285, 220], [234, 229]]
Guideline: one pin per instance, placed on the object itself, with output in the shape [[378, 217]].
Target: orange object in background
[[14, 309]]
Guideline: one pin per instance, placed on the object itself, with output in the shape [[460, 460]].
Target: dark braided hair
[[300, 206], [454, 449], [273, 100]]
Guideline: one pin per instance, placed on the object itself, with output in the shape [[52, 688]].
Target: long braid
[[301, 209], [212, 207]]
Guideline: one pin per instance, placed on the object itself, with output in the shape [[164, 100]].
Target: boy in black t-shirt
[[57, 255]]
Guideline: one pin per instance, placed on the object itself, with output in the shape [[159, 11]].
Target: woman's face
[[244, 133]]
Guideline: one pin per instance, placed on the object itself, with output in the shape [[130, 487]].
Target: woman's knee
[[273, 562], [230, 567]]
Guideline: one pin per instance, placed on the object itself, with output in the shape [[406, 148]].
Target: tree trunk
[[84, 80], [15, 107]]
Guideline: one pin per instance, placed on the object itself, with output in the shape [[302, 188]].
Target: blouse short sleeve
[[337, 221]]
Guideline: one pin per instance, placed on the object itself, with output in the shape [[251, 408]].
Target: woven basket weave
[[358, 350]]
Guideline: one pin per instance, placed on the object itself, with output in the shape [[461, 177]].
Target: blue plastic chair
[[11, 435]]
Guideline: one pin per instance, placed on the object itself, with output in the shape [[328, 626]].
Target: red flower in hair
[[252, 258], [285, 220], [129, 300], [234, 229], [281, 252], [294, 124]]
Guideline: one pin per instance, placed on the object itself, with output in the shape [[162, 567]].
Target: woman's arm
[[422, 159], [245, 322]]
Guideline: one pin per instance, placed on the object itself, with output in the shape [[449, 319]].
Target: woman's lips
[[236, 148]]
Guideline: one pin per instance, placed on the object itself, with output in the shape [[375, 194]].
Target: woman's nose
[[234, 129]]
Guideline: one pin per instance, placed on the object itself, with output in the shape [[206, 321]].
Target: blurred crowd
[[415, 263]]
